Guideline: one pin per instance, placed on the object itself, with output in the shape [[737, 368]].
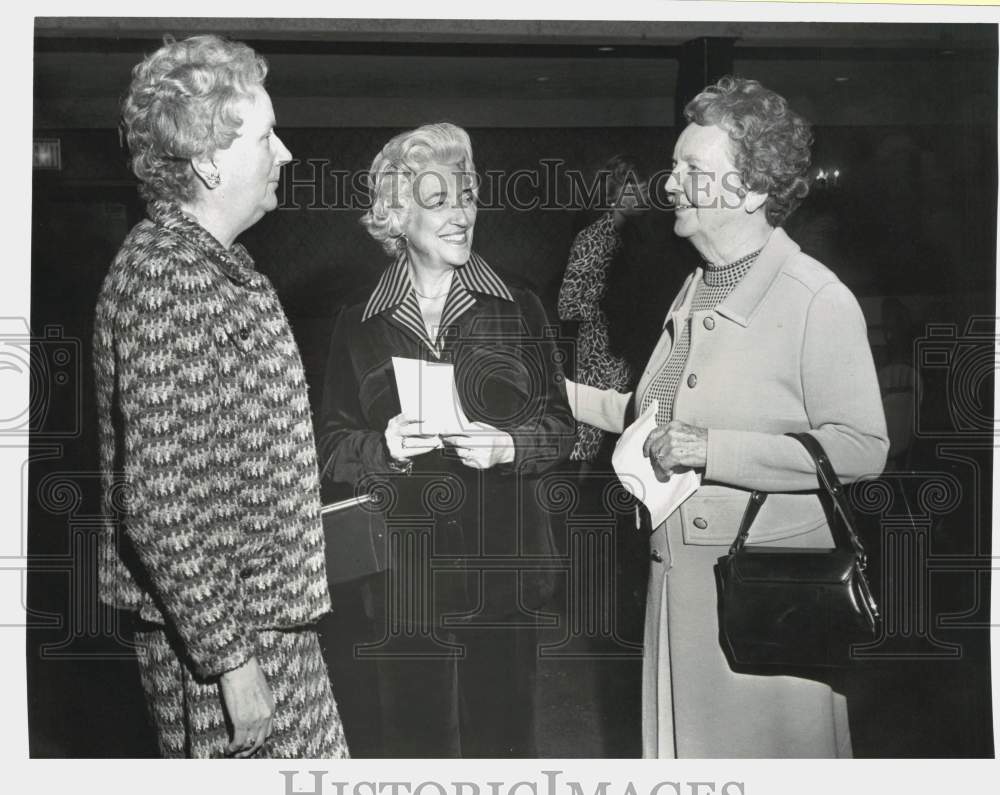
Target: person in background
[[206, 442], [585, 284], [762, 340]]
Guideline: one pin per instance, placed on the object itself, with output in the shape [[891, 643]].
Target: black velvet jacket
[[473, 544]]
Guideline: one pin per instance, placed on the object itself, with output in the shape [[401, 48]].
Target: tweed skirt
[[694, 705], [188, 713]]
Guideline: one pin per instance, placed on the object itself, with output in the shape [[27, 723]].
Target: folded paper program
[[635, 471], [427, 393]]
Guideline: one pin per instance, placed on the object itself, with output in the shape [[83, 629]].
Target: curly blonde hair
[[771, 143], [392, 173], [181, 104]]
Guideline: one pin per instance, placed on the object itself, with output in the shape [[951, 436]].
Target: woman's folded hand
[[675, 447], [482, 446], [404, 438], [250, 707]]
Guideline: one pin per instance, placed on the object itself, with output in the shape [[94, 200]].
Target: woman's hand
[[250, 706], [676, 446], [405, 440], [483, 447]]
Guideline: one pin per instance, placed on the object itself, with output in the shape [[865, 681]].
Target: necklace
[[441, 294], [431, 297]]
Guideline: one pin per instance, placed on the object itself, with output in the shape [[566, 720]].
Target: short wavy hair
[[182, 104], [771, 143], [390, 179]]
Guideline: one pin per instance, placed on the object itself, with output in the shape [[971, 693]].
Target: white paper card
[[427, 392], [635, 471]]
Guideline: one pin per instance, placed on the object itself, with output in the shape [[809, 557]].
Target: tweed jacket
[[487, 534], [787, 351], [208, 458]]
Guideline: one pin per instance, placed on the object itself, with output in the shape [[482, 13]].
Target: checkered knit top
[[714, 287], [211, 489]]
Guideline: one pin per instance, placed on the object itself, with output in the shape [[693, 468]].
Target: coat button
[[244, 333], [656, 556], [700, 523], [709, 323], [692, 380]]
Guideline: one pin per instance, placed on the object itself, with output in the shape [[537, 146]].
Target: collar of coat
[[394, 293], [235, 262], [743, 302], [395, 286]]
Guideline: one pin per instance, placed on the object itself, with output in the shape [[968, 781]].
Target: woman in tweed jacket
[[211, 488]]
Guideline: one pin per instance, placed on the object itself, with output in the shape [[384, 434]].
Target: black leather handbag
[[785, 609], [354, 544]]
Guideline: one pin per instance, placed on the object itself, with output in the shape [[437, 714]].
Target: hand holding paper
[[405, 438], [674, 447], [427, 393], [636, 471], [483, 446]]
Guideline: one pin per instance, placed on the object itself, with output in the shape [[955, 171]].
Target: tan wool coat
[[787, 351]]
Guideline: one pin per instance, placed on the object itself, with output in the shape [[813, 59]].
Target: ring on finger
[[402, 442]]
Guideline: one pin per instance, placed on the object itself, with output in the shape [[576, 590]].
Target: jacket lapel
[[395, 300], [742, 304], [675, 316], [740, 307]]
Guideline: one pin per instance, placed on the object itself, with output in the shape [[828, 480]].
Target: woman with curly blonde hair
[[204, 417], [459, 630], [761, 341]]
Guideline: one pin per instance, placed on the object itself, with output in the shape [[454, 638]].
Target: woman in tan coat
[[761, 341]]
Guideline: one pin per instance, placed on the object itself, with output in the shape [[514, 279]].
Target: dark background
[[906, 113]]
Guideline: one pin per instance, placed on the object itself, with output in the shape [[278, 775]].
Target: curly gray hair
[[182, 104], [771, 143]]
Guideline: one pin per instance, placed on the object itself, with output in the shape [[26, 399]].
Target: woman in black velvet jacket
[[468, 543]]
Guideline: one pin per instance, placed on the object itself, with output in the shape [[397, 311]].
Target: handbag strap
[[842, 519], [753, 508]]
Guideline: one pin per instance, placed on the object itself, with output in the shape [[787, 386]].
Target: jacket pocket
[[713, 515], [240, 335]]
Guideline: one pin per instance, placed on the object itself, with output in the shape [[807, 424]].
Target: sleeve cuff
[[723, 456], [215, 662], [602, 408]]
